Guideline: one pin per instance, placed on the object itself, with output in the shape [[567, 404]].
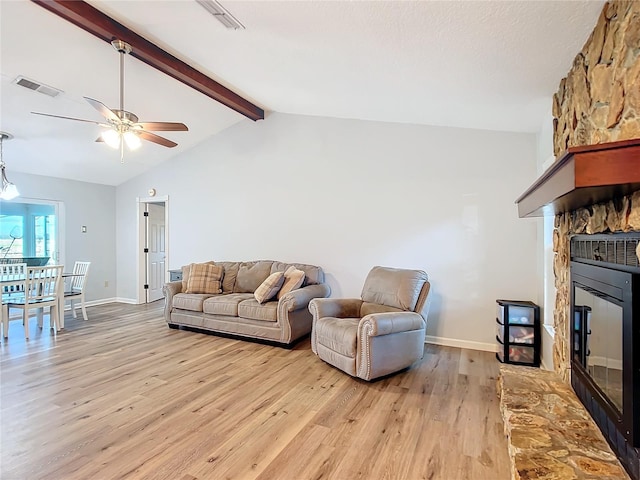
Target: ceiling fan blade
[[105, 111], [163, 126], [152, 137], [71, 118]]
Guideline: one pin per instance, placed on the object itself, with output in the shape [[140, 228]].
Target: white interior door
[[156, 251]]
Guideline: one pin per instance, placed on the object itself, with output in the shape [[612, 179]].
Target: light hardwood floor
[[123, 396]]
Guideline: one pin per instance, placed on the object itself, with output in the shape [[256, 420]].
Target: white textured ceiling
[[480, 64]]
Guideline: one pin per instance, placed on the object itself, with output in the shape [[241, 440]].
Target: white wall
[[546, 284], [348, 195], [87, 204]]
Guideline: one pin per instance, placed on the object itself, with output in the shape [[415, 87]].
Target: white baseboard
[[103, 301], [468, 344], [130, 301]]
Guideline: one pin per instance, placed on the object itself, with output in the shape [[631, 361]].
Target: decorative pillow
[[268, 289], [185, 274], [204, 278], [293, 279]]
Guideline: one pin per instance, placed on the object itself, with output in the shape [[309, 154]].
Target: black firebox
[[605, 338]]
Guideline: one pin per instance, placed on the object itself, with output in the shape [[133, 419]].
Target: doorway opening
[[153, 253]]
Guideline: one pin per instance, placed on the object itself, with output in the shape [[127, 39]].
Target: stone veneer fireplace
[[593, 187], [594, 193]]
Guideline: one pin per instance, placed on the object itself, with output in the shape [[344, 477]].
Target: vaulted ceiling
[[486, 64]]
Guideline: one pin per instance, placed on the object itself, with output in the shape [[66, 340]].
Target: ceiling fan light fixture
[[9, 190], [121, 126], [111, 138], [132, 140]]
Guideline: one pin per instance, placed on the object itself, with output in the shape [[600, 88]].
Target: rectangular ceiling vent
[[221, 14], [37, 86]]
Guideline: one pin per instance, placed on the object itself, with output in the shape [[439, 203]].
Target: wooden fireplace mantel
[[583, 176]]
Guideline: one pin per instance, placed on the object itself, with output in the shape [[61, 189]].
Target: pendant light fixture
[[9, 190]]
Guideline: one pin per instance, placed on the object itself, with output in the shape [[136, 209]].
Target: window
[[11, 228], [29, 230]]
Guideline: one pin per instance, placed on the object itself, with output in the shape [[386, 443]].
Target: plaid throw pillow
[[185, 274], [268, 289], [293, 279], [204, 278]]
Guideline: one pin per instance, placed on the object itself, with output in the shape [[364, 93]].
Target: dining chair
[[75, 291], [12, 279], [41, 290]]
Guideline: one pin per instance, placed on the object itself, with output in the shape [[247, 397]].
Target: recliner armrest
[[335, 307], [377, 324], [300, 298]]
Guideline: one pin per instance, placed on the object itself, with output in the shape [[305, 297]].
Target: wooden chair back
[[13, 272], [80, 272], [42, 283]]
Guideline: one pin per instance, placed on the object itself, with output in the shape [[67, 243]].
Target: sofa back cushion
[[394, 287], [230, 275], [313, 275], [251, 275]]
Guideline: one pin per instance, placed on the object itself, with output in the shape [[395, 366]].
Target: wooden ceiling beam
[[106, 28]]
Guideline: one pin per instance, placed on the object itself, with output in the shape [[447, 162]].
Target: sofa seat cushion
[[338, 334], [190, 301], [368, 308], [255, 311], [225, 304]]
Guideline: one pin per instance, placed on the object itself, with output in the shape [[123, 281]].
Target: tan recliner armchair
[[379, 334]]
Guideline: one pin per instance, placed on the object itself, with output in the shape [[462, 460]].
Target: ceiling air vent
[[37, 86], [221, 14]]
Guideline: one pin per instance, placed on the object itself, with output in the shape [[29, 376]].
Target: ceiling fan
[[123, 126]]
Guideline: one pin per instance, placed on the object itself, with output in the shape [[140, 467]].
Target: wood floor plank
[[121, 396]]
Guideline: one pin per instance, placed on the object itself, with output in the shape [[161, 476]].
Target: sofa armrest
[[169, 290], [300, 298], [378, 324], [293, 313], [335, 307]]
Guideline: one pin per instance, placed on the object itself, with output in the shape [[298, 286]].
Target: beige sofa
[[236, 312]]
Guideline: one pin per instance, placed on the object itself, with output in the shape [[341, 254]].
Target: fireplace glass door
[[600, 343]]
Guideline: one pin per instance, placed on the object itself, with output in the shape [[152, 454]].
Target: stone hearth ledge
[[551, 436]]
